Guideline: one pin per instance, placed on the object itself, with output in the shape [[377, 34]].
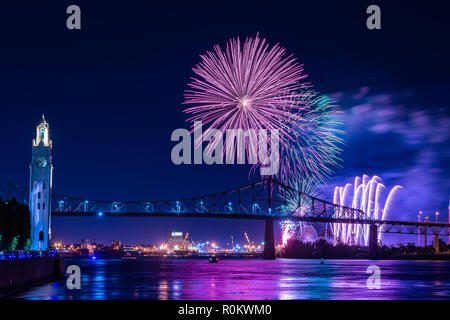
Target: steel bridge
[[266, 199]]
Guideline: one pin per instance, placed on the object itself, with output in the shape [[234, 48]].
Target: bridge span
[[267, 200]]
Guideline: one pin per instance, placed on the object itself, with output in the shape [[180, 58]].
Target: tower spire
[[42, 134]]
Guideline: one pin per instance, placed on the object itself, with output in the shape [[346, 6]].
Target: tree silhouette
[[14, 223]]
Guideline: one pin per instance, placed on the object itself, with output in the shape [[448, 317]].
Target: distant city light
[[100, 214]]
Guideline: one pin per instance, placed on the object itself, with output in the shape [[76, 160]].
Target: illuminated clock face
[[41, 162]]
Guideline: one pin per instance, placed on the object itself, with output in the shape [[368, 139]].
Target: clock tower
[[40, 187]]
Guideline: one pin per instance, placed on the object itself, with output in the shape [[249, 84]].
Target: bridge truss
[[264, 199]]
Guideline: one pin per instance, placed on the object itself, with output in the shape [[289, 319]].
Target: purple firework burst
[[246, 86]]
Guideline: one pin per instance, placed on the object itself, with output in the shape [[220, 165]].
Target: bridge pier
[[436, 243], [269, 243], [373, 240]]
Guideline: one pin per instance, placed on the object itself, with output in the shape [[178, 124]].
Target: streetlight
[[418, 219], [437, 214]]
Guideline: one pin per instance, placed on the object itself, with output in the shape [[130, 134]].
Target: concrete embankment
[[19, 274]]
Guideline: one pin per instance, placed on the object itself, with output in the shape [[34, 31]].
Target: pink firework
[[246, 86]]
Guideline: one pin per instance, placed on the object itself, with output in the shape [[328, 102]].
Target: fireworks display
[[308, 161], [314, 152], [255, 86], [366, 196], [297, 230], [246, 86]]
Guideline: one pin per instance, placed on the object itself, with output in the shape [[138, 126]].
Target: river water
[[249, 279]]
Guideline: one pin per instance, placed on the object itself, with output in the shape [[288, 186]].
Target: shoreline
[[406, 257], [22, 274]]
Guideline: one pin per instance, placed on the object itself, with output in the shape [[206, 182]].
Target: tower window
[[43, 185], [43, 206], [39, 206], [42, 133], [39, 195]]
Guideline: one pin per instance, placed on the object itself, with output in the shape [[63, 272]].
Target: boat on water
[[129, 256], [213, 259]]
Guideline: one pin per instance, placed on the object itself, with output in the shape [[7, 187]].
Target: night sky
[[112, 94]]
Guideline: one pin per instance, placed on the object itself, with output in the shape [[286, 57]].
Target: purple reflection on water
[[250, 279]]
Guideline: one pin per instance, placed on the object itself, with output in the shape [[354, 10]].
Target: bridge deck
[[387, 226]]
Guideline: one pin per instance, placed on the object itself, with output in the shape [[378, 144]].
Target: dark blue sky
[[112, 94]]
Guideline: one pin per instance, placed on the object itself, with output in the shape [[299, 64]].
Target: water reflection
[[250, 279], [163, 290]]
